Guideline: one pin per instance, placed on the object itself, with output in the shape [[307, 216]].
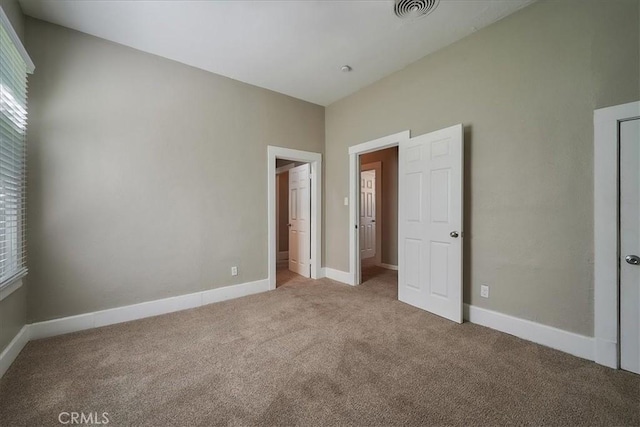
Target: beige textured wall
[[389, 221], [525, 89], [13, 309], [147, 178]]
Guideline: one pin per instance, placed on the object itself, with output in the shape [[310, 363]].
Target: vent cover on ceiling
[[407, 9]]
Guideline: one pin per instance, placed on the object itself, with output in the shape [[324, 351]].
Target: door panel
[[367, 214], [630, 245], [299, 220], [430, 209]]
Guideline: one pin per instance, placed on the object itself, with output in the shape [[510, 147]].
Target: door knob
[[632, 259], [373, 220], [454, 234], [289, 225]]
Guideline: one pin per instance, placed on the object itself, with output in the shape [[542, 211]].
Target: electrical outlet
[[346, 201], [484, 291], [234, 271]]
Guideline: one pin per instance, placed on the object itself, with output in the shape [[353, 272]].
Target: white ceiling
[[291, 47]]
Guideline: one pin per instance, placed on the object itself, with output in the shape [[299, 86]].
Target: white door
[[630, 245], [367, 214], [430, 222], [299, 221]]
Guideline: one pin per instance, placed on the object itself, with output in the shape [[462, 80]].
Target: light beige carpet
[[311, 353]]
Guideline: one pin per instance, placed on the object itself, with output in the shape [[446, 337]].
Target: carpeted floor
[[311, 353]]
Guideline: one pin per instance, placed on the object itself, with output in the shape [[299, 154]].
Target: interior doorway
[[378, 206], [294, 214], [429, 212], [293, 211]]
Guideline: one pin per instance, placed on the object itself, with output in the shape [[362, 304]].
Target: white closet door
[[630, 245]]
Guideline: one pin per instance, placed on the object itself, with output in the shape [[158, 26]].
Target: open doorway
[[378, 225], [430, 190], [305, 169], [293, 211]]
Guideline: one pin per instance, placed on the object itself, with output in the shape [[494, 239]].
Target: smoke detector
[[408, 9]]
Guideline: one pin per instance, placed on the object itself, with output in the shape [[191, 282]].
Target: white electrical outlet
[[346, 201], [234, 271], [484, 291]]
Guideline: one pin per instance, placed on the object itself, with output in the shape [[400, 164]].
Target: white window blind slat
[[13, 126]]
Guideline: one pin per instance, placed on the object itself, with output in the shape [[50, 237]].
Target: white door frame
[[606, 173], [377, 167], [354, 180], [315, 163]]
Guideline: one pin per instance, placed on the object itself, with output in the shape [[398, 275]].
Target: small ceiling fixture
[[346, 68], [407, 9]]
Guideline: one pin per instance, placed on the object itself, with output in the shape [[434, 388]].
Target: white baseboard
[[606, 353], [388, 266], [16, 345], [235, 291], [283, 255], [569, 342], [338, 275], [127, 313]]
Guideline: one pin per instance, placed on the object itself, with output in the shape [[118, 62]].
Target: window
[[14, 65]]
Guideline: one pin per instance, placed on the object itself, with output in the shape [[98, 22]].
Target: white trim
[[605, 227], [354, 180], [606, 353], [315, 163], [235, 291], [380, 143], [7, 290], [569, 342], [12, 350], [388, 266], [283, 255], [146, 309], [337, 275], [4, 21], [354, 209]]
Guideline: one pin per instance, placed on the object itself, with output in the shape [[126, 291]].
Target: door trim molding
[[354, 208], [606, 174], [315, 164]]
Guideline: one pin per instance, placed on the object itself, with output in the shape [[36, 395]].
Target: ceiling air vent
[[407, 9]]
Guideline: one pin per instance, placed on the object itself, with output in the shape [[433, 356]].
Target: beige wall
[[13, 309], [389, 210], [525, 89], [147, 178]]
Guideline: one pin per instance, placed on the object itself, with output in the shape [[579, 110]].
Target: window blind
[[13, 127]]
